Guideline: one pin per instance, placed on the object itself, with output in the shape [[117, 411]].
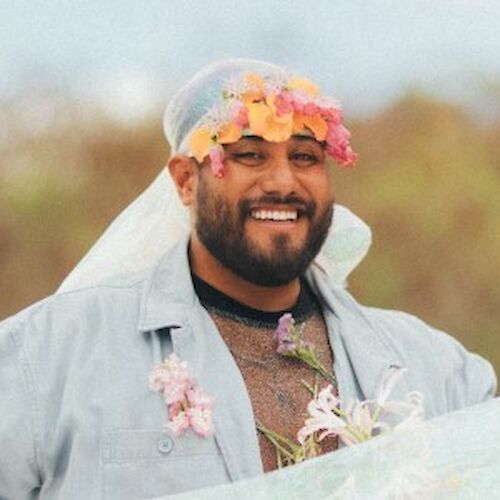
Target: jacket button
[[165, 445]]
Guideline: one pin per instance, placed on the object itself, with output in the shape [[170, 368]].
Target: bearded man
[[251, 147]]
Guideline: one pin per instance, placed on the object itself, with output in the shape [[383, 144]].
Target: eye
[[304, 159], [249, 158]]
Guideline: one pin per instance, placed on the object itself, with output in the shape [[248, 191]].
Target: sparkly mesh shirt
[[274, 382]]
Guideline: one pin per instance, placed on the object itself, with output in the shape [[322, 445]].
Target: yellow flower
[[296, 83], [229, 133], [278, 131], [200, 143], [251, 96], [258, 114], [256, 92]]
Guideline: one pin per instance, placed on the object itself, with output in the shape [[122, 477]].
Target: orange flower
[[298, 122], [317, 125], [266, 124], [229, 133], [296, 83], [200, 143], [273, 113]]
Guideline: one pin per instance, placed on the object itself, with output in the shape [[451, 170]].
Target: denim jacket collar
[[169, 301], [168, 295]]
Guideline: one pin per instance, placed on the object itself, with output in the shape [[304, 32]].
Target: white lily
[[360, 419], [323, 416], [390, 380]]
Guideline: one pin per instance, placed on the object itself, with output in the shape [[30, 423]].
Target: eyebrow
[[257, 138], [306, 138]]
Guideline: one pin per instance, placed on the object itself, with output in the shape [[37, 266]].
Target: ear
[[184, 173]]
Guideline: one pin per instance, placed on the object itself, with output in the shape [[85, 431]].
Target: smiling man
[[173, 378], [257, 228]]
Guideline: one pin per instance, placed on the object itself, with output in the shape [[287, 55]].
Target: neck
[[263, 298]]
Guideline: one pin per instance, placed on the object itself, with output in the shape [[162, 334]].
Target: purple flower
[[284, 334]]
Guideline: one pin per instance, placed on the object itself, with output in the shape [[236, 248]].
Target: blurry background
[[83, 85]]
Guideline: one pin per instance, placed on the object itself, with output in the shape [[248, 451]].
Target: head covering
[[239, 97], [201, 94], [157, 220]]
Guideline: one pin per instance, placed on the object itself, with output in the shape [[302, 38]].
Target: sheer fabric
[[455, 456]]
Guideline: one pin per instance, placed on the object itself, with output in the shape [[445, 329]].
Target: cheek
[[320, 188]]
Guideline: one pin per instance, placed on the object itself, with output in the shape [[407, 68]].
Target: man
[[79, 419]]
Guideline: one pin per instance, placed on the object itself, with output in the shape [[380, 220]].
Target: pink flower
[[238, 114], [200, 419], [310, 109], [179, 423], [283, 103], [330, 111], [172, 378], [216, 155], [187, 403], [197, 397], [338, 134], [298, 100], [338, 146]]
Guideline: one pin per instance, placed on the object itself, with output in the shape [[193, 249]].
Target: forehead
[[294, 140]]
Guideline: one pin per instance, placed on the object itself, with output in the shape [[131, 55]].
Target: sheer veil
[[156, 220]]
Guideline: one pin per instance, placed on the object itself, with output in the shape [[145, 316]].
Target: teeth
[[277, 215]]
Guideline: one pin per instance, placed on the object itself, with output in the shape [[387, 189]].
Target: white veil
[[156, 220]]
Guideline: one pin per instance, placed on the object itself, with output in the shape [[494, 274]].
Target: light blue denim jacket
[[78, 421]]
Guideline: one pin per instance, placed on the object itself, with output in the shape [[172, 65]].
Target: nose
[[279, 177]]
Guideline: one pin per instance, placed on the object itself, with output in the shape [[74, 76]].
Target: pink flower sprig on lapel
[[187, 403]]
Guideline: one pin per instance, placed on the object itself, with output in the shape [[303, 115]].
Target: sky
[[129, 56]]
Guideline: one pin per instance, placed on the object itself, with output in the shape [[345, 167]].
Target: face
[[268, 216]]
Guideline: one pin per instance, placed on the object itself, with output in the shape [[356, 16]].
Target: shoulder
[[466, 377], [403, 329], [454, 373], [74, 311]]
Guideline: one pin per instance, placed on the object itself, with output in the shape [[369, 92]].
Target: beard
[[222, 232]]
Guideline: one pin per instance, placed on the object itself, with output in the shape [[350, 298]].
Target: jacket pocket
[[145, 463]]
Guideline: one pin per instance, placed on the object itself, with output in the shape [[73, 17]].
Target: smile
[[274, 215]]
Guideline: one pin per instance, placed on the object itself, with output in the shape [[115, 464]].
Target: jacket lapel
[[361, 356], [170, 302]]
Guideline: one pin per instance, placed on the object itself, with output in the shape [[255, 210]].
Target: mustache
[[303, 207]]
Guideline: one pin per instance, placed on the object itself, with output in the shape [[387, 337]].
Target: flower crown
[[273, 109]]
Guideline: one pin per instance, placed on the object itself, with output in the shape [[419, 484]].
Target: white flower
[[359, 419], [322, 416], [388, 383]]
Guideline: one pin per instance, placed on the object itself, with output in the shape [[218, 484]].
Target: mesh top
[[273, 381]]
